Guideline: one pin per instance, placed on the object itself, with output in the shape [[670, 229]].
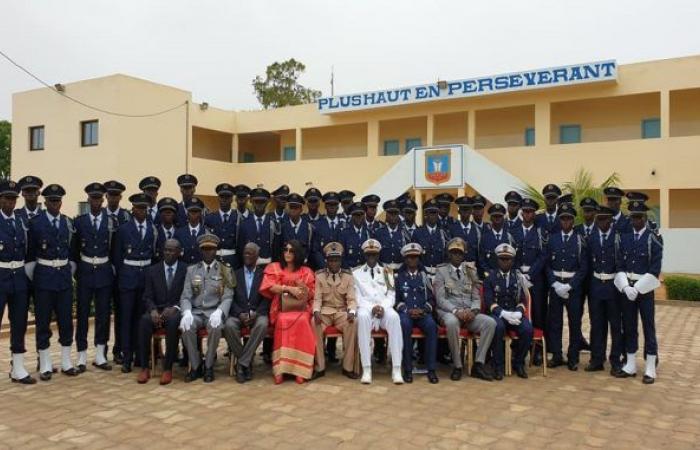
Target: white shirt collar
[[431, 229], [7, 217], [640, 232], [357, 230], [193, 228], [569, 234], [174, 266], [617, 216], [51, 218], [115, 212], [36, 210], [527, 228], [172, 228]]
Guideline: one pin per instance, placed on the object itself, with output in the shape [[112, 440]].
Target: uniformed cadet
[[261, 228], [134, 249], [513, 200], [408, 211], [566, 269], [444, 204], [478, 205], [188, 188], [530, 244], [458, 295], [30, 187], [329, 225], [432, 238], [505, 298], [467, 231], [415, 304], [490, 239], [613, 198], [335, 305], [92, 247], [190, 231], [590, 208], [49, 266], [347, 198], [641, 253], [302, 230], [114, 191], [167, 210], [279, 203], [547, 220], [313, 203], [392, 237], [242, 193], [205, 303], [225, 223], [402, 200], [353, 236], [375, 294], [604, 302], [14, 284], [150, 186], [371, 202]]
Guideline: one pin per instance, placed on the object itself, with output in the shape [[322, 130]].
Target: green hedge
[[682, 288]]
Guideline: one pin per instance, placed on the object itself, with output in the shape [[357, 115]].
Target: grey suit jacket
[[205, 292], [455, 293]]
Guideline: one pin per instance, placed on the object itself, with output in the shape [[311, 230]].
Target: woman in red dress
[[290, 286]]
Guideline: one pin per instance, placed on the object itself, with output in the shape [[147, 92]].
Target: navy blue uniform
[[226, 226], [188, 240], [567, 263], [94, 275], [471, 234], [14, 284], [546, 223], [265, 232], [511, 224], [491, 239], [373, 226], [26, 215], [434, 243], [392, 241], [120, 216], [163, 235], [305, 233], [153, 215], [621, 224], [352, 240], [414, 291], [505, 292], [328, 230], [530, 259], [446, 222]]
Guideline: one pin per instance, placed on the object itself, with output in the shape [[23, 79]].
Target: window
[[89, 133], [391, 148], [569, 134], [248, 157], [529, 137], [289, 153], [412, 143], [83, 207], [36, 138], [651, 128]]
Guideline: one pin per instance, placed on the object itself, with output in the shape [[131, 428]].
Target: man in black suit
[[249, 309], [164, 284]]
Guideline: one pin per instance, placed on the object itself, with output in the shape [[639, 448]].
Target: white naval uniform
[[371, 291]]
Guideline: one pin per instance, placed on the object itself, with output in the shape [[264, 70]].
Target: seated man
[[374, 290], [457, 289], [163, 289], [205, 302], [414, 303], [249, 309], [505, 297], [334, 304]]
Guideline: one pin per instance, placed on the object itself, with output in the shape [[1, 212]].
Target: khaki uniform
[[334, 299]]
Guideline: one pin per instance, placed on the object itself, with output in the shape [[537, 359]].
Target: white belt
[[94, 260], [52, 262], [563, 274], [604, 276], [394, 266], [263, 261], [525, 269], [12, 265], [634, 276], [226, 251], [137, 263]]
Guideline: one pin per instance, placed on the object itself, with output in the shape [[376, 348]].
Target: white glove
[[73, 267], [215, 318], [510, 317], [556, 286], [505, 315], [527, 276], [517, 315], [566, 287], [186, 321], [29, 269], [631, 293]]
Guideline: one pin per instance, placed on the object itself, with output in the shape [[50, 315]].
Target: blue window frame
[[248, 157], [651, 128], [412, 143], [569, 134], [289, 153], [89, 131], [391, 147], [529, 137]]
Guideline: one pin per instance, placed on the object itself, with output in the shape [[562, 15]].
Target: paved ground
[[564, 410]]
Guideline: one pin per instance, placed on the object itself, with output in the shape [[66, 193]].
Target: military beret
[[478, 201], [602, 210], [587, 203], [312, 194], [445, 198], [259, 194], [30, 182], [114, 187], [371, 246], [8, 188], [409, 205], [295, 199], [497, 209], [281, 191], [431, 205], [371, 200], [566, 210], [53, 191], [391, 206], [551, 190], [530, 204], [513, 197], [346, 195], [167, 203], [208, 240], [566, 198], [224, 189], [140, 199], [95, 189], [333, 249], [637, 207], [357, 208], [186, 180], [505, 250], [637, 196], [613, 192], [194, 204], [412, 249], [149, 183], [331, 197], [241, 190], [457, 244], [463, 202]]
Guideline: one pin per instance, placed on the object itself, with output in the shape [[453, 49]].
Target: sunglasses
[[288, 250]]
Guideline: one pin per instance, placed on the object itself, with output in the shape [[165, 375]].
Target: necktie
[[225, 217], [371, 273], [525, 231], [152, 212], [141, 231], [498, 236], [459, 273], [208, 267], [55, 223], [31, 215], [113, 216], [359, 235], [636, 237], [507, 281], [333, 225], [94, 223], [194, 235], [588, 232], [169, 280], [259, 224], [566, 238], [169, 234], [603, 237]]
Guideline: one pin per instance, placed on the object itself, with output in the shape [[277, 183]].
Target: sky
[[215, 48]]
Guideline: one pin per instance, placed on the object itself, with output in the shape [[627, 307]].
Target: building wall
[[341, 141], [503, 127], [685, 112], [451, 128]]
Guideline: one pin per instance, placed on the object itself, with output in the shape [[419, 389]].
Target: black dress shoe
[[318, 374], [537, 357], [72, 372], [615, 370], [556, 361], [193, 375], [432, 377], [240, 374], [103, 366], [594, 367], [118, 360], [126, 367], [623, 374], [520, 371], [82, 368], [407, 376], [350, 374], [45, 376], [26, 380], [498, 374], [479, 371], [248, 373], [209, 375], [456, 374], [647, 379], [572, 366]]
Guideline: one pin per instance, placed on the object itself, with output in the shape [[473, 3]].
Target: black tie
[[566, 238], [636, 237], [551, 219], [525, 231], [170, 276], [371, 273], [141, 231], [55, 223], [114, 216], [169, 234], [259, 224], [459, 274], [498, 236], [194, 233], [226, 218], [31, 215], [333, 229], [94, 223]]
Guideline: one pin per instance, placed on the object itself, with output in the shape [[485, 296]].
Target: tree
[[280, 86], [5, 141]]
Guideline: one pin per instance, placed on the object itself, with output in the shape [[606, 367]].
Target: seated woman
[[290, 287]]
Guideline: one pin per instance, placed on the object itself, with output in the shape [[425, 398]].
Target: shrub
[[682, 288]]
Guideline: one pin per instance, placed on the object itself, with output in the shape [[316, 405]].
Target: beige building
[[643, 123]]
